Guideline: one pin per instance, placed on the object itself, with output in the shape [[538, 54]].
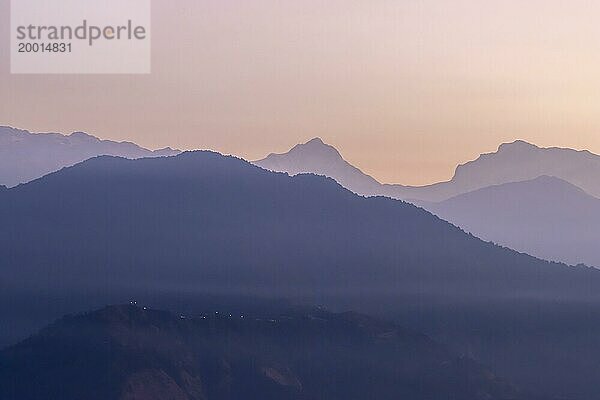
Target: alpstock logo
[[75, 36]]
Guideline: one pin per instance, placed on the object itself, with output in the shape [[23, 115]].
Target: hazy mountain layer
[[517, 161], [25, 156], [129, 352], [546, 217], [319, 158]]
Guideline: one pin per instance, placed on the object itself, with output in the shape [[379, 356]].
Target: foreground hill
[[25, 156], [546, 217], [127, 352], [512, 162]]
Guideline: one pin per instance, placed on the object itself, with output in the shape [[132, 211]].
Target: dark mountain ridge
[[223, 222], [129, 352]]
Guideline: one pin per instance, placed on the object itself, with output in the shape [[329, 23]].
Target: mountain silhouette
[[520, 161], [512, 162], [212, 220], [546, 217], [111, 228], [128, 352], [319, 158], [25, 156]]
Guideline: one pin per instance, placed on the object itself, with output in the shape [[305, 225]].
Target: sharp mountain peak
[[317, 146]]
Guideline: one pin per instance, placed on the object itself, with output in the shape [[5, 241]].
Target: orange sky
[[405, 89]]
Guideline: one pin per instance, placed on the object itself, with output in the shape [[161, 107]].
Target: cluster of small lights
[[181, 316]]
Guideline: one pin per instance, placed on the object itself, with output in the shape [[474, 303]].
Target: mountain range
[[199, 222], [546, 217], [25, 156], [536, 200], [110, 228], [131, 352], [221, 217], [513, 162]]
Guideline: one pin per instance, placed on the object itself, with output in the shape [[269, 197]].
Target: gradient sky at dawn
[[404, 89]]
